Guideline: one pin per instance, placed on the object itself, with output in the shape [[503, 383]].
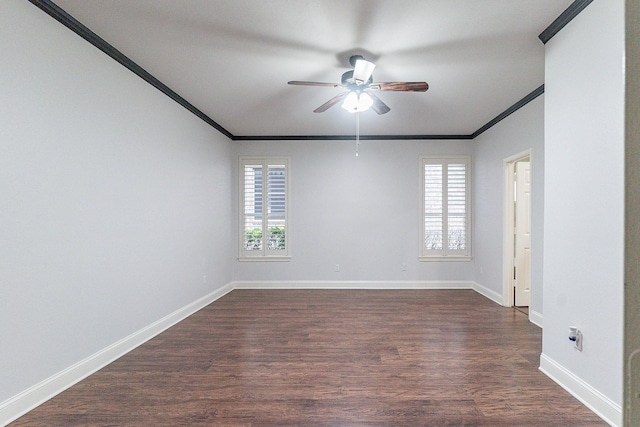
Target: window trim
[[263, 254], [444, 256]]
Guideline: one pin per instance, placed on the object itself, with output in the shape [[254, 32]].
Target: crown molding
[[343, 137], [565, 17], [77, 27], [515, 107]]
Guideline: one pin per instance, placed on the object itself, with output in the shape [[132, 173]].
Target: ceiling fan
[[359, 83]]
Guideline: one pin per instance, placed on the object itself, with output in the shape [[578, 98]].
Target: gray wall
[[120, 207], [523, 130], [584, 196], [115, 201], [360, 212]]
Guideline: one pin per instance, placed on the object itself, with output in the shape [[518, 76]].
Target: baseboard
[[492, 295], [606, 409], [535, 318], [34, 396], [452, 284]]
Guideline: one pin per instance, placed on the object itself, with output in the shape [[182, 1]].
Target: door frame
[[508, 216]]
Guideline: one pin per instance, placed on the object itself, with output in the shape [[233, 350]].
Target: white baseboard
[[535, 318], [492, 295], [606, 409], [452, 284], [25, 401], [37, 394]]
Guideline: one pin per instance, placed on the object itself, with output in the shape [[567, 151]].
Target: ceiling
[[232, 59]]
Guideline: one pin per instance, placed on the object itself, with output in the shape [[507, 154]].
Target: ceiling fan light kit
[[359, 94], [356, 102], [359, 84]]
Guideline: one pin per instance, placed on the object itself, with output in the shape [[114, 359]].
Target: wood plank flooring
[[329, 358]]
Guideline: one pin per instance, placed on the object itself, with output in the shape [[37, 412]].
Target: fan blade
[[378, 106], [299, 83], [362, 71], [400, 86], [330, 103]]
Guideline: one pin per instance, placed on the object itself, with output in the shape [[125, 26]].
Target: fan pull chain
[[357, 132]]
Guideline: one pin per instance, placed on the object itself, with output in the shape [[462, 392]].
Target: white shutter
[[263, 208], [277, 204], [433, 208], [445, 225], [252, 208], [456, 208]]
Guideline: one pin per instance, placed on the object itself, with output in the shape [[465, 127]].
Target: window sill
[[264, 258], [440, 258]]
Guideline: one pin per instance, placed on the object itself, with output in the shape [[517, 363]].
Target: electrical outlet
[[575, 335], [404, 266], [336, 268]]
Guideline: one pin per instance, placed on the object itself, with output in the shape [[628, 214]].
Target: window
[[446, 212], [263, 209]]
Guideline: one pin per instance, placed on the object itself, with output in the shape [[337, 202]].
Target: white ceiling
[[233, 59]]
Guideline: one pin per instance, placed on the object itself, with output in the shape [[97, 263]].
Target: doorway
[[517, 231]]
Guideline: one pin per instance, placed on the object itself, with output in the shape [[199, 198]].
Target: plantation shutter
[[252, 207], [433, 208], [445, 207], [263, 207], [276, 193], [456, 208]]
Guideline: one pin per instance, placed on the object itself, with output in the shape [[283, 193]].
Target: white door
[[523, 234]]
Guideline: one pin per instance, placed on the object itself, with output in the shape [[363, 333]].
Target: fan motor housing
[[347, 79]]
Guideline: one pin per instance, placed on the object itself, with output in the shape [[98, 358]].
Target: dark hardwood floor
[[329, 358]]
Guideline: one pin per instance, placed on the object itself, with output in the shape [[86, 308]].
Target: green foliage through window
[[253, 238]]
